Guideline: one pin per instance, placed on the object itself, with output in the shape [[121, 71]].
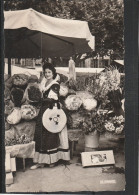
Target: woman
[[49, 147]]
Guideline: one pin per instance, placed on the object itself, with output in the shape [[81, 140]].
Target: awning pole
[[98, 61], [9, 66]]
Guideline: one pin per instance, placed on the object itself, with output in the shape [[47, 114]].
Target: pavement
[[73, 177]]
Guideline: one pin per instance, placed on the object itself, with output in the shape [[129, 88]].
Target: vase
[[92, 141]]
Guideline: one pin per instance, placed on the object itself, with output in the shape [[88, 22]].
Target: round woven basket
[[54, 120]]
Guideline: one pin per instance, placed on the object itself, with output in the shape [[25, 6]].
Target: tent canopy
[[29, 33], [121, 62]]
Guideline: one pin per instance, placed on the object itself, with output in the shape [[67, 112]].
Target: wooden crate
[[7, 163], [10, 167], [9, 178], [13, 164]]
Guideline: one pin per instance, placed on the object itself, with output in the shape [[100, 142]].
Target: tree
[[105, 19]]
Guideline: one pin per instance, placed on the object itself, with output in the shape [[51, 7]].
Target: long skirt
[[50, 147]]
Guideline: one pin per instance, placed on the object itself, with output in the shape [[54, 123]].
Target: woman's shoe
[[52, 165], [37, 166]]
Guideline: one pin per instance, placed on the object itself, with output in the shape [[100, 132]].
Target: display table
[[28, 150], [22, 151]]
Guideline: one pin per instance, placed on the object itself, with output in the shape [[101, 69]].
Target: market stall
[[88, 104], [28, 34], [92, 103]]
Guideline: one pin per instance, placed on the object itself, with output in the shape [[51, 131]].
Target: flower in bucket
[[114, 125], [119, 130], [119, 119], [109, 126], [93, 121]]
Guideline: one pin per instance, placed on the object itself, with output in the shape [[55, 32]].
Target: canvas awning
[[121, 62], [29, 34]]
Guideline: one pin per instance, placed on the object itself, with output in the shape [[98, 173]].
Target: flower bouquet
[[114, 126], [96, 123], [103, 123], [92, 126], [99, 91], [93, 121], [110, 78], [106, 90]]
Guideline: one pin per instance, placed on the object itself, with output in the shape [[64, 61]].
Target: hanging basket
[[92, 140]]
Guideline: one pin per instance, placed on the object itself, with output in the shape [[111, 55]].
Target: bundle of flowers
[[33, 79], [20, 80], [9, 105], [33, 93], [7, 94], [110, 79], [28, 112], [73, 102], [99, 91], [103, 123], [115, 125], [93, 121], [103, 84], [63, 90], [23, 139], [17, 96], [15, 116]]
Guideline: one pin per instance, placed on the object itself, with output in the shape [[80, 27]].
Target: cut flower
[[109, 126]]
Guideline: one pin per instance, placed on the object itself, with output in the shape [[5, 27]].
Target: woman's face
[[48, 74]]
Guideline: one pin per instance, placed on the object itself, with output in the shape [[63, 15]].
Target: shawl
[[44, 88]]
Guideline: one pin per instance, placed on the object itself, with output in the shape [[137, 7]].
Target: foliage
[[93, 121], [63, 78], [105, 19], [23, 139], [106, 90], [101, 121], [110, 78], [72, 84], [99, 92], [102, 84]]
